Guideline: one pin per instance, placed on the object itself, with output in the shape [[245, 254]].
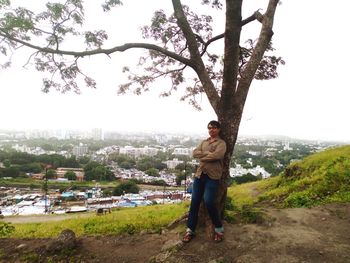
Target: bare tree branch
[[256, 16], [109, 51], [203, 75], [258, 52]]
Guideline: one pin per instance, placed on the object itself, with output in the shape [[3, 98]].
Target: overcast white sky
[[309, 100]]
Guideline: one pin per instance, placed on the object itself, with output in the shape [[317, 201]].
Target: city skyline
[[101, 134], [307, 101]]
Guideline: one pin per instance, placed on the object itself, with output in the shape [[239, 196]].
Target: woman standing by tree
[[210, 153]]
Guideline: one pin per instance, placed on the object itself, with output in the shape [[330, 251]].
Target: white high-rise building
[[97, 134], [80, 150]]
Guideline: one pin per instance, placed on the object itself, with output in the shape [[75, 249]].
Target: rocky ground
[[320, 234]]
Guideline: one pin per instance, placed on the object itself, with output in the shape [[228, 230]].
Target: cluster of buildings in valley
[[168, 178], [24, 202], [269, 147]]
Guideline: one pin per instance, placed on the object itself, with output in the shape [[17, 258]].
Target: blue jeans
[[204, 188]]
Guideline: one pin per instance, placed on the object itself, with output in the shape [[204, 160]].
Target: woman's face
[[213, 131]]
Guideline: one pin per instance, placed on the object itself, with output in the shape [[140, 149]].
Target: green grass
[[127, 220], [242, 194], [242, 198], [250, 193], [320, 178], [27, 182]]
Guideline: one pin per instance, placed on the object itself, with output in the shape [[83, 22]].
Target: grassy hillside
[[120, 221], [320, 178]]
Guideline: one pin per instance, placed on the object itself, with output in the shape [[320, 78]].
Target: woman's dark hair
[[214, 124]]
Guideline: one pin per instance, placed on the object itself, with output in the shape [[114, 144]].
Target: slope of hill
[[320, 178]]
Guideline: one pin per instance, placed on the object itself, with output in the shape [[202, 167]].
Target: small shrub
[[90, 227], [229, 204], [128, 228], [6, 229], [298, 199], [339, 197], [230, 217], [251, 215], [293, 171], [30, 257]]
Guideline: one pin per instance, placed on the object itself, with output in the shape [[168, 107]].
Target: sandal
[[187, 237], [218, 237]]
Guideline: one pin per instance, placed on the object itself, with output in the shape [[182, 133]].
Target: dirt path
[[320, 234]]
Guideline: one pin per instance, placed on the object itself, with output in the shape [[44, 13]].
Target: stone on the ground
[[65, 241]]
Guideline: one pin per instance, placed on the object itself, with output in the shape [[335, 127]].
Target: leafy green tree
[[95, 171], [163, 156], [158, 164], [44, 158], [118, 191], [125, 161], [7, 163], [185, 167], [57, 163], [179, 48], [90, 165], [12, 171], [127, 164], [71, 162], [83, 160], [180, 177], [21, 158], [50, 174], [47, 147], [246, 178], [159, 182], [35, 167], [126, 187], [89, 175], [31, 168], [70, 175], [144, 163], [152, 172], [148, 162]]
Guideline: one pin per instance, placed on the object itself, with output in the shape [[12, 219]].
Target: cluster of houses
[[168, 178], [14, 202], [257, 170]]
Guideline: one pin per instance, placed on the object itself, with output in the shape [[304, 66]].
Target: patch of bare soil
[[320, 234]]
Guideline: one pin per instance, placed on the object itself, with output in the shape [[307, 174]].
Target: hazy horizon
[[193, 133]]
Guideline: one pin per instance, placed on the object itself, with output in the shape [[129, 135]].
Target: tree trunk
[[229, 129]]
